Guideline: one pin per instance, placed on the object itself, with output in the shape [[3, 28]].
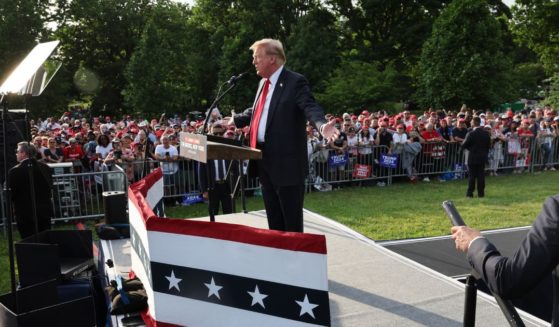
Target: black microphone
[[234, 78], [453, 214]]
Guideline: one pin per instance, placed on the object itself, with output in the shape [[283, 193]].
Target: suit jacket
[[284, 155], [202, 173], [18, 179], [536, 257], [478, 142]]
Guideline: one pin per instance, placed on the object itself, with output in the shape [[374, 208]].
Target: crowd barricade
[[180, 177], [441, 160], [545, 154], [80, 196], [435, 159], [358, 165]]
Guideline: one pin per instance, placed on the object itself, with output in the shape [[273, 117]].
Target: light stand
[[8, 204], [30, 77]]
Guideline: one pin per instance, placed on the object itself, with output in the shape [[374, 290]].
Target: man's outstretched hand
[[329, 131]]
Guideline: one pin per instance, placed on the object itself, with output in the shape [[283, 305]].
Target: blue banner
[[338, 160], [389, 160], [192, 198]]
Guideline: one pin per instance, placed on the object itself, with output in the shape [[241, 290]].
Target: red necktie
[[257, 113]]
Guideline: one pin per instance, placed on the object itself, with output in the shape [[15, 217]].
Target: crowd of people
[[104, 141], [407, 134]]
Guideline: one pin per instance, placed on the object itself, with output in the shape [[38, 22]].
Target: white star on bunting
[[173, 281], [306, 307], [257, 297], [213, 289]]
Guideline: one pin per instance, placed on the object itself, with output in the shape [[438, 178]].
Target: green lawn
[[403, 210]]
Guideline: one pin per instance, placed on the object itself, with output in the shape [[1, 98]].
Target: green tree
[[169, 70], [527, 80], [356, 84], [463, 60], [235, 25], [386, 31], [535, 24], [101, 36], [313, 46]]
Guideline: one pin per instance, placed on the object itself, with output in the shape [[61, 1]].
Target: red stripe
[[238, 233], [138, 191], [147, 182]]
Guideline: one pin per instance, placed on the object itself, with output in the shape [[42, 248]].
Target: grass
[[402, 211]]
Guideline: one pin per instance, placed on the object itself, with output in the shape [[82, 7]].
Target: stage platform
[[370, 285]]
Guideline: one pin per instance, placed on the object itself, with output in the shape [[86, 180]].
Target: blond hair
[[272, 48]]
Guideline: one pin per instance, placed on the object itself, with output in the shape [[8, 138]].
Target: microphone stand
[[214, 104], [8, 208], [218, 98]]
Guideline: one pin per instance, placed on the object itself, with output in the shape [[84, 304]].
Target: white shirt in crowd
[[103, 151], [168, 167], [399, 138]]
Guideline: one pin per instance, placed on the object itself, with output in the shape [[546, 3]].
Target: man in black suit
[[219, 191], [19, 183], [536, 257], [283, 105], [478, 143]]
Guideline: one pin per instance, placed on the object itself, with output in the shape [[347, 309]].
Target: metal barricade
[[518, 155], [545, 153], [79, 196], [358, 165]]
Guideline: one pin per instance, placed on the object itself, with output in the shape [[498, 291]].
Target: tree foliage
[[386, 31], [463, 61], [101, 36], [313, 46], [169, 69], [157, 56], [536, 24], [357, 84]]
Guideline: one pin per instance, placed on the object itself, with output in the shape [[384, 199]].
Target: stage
[[370, 285]]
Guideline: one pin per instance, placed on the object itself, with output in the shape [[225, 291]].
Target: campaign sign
[[388, 160], [193, 146], [362, 171], [338, 160]]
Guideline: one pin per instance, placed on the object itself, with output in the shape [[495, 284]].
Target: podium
[[202, 148]]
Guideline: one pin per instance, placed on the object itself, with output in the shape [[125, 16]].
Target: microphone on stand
[[234, 78]]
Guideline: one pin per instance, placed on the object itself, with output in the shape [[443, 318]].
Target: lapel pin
[[281, 84]]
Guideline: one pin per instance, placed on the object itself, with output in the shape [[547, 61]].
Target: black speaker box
[[53, 254], [115, 207], [39, 305]]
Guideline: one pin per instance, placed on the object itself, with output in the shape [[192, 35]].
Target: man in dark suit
[[478, 143], [219, 190], [536, 257], [277, 120], [19, 183]]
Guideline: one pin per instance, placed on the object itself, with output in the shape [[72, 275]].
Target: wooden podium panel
[[201, 148], [231, 152]]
